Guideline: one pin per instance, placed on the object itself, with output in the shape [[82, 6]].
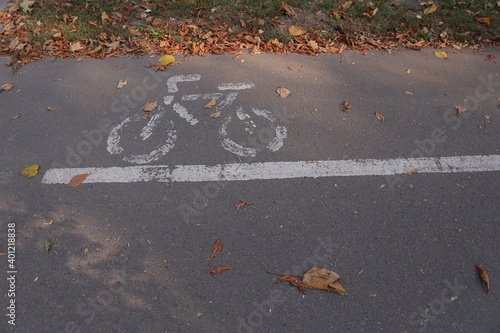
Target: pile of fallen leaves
[[137, 33]]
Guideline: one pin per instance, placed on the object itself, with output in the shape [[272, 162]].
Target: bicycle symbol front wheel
[[260, 130]]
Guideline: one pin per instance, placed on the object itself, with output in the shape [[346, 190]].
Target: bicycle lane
[[154, 237]]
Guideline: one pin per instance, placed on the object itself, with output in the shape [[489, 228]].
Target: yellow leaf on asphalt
[[430, 10], [30, 171], [216, 114], [150, 106], [166, 59], [7, 86], [441, 54], [210, 104], [121, 84], [296, 30]]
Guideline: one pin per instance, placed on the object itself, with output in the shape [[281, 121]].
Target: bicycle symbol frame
[[225, 97]]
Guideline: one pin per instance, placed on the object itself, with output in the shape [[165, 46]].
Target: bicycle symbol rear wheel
[[167, 143]]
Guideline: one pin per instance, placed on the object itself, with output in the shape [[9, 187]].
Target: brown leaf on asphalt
[[216, 114], [119, 67], [411, 172], [346, 106], [210, 104], [51, 108], [150, 106], [241, 204], [293, 280], [220, 269], [283, 92], [7, 86], [78, 179], [215, 251], [379, 116], [324, 279], [460, 109], [491, 57], [484, 276], [288, 10]]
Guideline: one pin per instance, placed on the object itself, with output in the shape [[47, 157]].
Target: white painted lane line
[[275, 170]]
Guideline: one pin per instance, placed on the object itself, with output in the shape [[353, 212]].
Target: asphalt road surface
[[397, 193]]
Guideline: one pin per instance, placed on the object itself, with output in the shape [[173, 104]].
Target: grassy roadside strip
[[34, 29]]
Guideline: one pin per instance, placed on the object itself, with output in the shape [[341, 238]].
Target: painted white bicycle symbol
[[271, 137]]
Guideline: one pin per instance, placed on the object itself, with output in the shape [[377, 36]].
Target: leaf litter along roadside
[[36, 29]]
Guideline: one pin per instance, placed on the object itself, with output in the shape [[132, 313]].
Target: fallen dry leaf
[[346, 5], [485, 19], [166, 59], [150, 106], [296, 30], [324, 279], [215, 251], [283, 92], [441, 54], [293, 280], [86, 251], [51, 108], [491, 57], [408, 92], [379, 116], [288, 10], [216, 114], [484, 276], [220, 269], [460, 109], [210, 104], [411, 172], [30, 171], [7, 86], [121, 84], [241, 204], [119, 67], [75, 47], [346, 106], [430, 10], [78, 179]]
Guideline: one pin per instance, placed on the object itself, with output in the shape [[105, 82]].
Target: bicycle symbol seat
[[270, 137]]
